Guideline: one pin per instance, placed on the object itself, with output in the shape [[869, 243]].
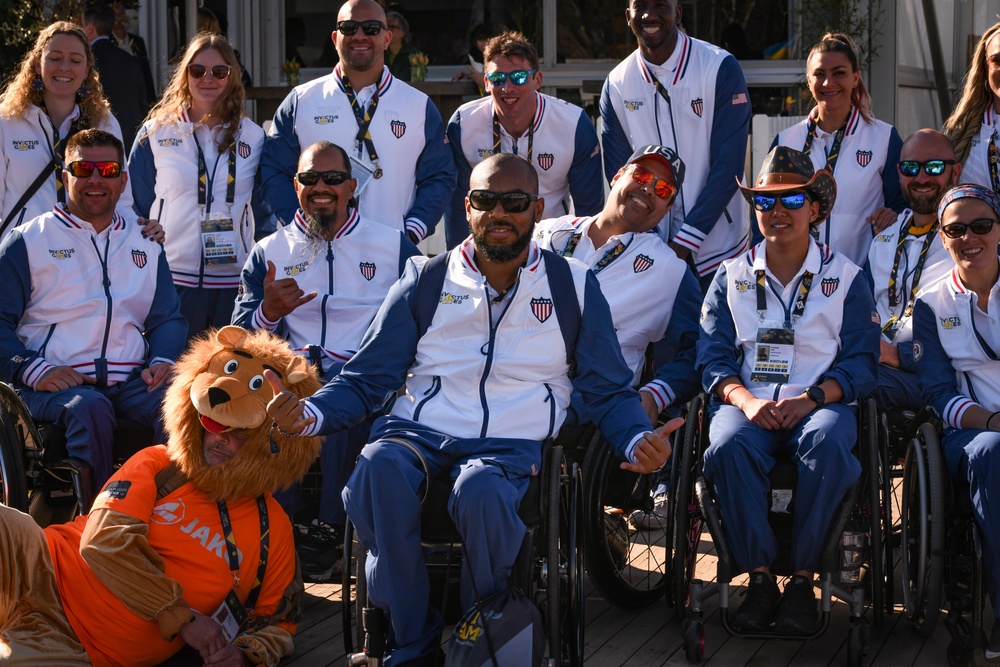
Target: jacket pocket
[[428, 395]]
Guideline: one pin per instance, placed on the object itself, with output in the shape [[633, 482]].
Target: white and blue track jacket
[[564, 151], [653, 296], [484, 369], [408, 134], [956, 347], [101, 303], [836, 337], [881, 257], [164, 177], [26, 147], [977, 163], [351, 274], [866, 179], [706, 121]]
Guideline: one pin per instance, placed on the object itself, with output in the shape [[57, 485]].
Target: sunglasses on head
[[84, 168], [329, 177], [957, 230], [370, 28], [219, 72], [513, 202], [518, 77], [931, 167], [662, 188], [789, 202]]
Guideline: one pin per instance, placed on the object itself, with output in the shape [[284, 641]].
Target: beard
[[319, 224], [924, 204], [502, 253]]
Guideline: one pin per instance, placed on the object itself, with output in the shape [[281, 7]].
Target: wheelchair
[[37, 475], [548, 569], [851, 561], [941, 552]]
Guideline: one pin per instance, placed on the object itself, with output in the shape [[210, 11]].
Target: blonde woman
[[53, 94], [193, 168], [972, 126], [841, 135]]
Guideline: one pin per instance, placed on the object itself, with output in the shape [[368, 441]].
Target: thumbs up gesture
[[285, 408], [653, 449]]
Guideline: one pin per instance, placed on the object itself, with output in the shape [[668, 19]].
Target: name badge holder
[[774, 352], [218, 239]]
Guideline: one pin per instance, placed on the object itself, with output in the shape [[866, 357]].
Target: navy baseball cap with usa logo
[[667, 156]]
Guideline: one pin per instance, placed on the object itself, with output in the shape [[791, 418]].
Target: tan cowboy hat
[[786, 169]]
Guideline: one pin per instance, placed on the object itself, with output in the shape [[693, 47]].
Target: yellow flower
[[291, 66], [418, 59]]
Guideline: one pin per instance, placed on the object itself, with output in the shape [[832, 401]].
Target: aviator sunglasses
[[518, 77], [84, 168], [513, 202], [643, 176], [329, 177], [370, 28], [931, 167], [220, 72], [957, 230], [766, 203]]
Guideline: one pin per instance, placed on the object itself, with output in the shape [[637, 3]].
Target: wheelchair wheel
[[13, 481], [352, 573], [688, 522], [923, 518], [553, 557], [573, 594], [872, 506], [627, 565]]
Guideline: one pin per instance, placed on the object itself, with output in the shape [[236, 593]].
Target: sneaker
[[797, 611], [760, 605], [992, 653], [616, 533], [321, 551], [655, 519]]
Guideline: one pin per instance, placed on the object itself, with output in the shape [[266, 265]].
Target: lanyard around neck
[[496, 138], [205, 182], [608, 257], [232, 555], [831, 157], [800, 300], [363, 116], [895, 296]]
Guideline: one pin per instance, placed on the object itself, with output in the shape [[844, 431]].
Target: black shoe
[[760, 605], [321, 551], [797, 611]]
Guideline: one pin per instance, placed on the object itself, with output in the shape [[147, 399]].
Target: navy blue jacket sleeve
[[602, 377], [856, 367], [938, 381], [891, 190], [456, 223], [674, 355], [585, 185], [727, 149], [435, 177], [617, 148], [719, 355], [279, 161], [15, 276], [378, 369], [406, 251], [142, 176], [166, 328]]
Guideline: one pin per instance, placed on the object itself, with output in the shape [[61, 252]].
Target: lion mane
[[219, 384]]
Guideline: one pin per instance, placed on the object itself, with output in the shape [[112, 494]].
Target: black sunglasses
[[513, 202], [370, 28], [792, 202], [84, 168], [957, 230], [329, 177], [219, 72], [931, 167]]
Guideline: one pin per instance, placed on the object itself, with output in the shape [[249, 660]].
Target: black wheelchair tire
[[553, 557], [13, 481], [687, 521]]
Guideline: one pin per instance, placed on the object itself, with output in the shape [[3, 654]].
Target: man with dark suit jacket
[[135, 46], [120, 74]]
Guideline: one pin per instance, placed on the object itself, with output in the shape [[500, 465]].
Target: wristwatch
[[817, 395]]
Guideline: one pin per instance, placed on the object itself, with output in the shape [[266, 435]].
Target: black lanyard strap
[[364, 118], [994, 158], [496, 137], [800, 299], [205, 183], [895, 294], [59, 154], [831, 157], [609, 256], [232, 554], [979, 337]]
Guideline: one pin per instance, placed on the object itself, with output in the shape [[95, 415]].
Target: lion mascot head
[[218, 385]]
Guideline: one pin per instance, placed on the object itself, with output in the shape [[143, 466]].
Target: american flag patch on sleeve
[[740, 98]]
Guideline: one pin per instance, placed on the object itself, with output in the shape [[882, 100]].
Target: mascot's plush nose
[[217, 396]]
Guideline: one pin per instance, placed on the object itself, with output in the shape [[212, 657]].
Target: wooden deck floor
[[652, 636]]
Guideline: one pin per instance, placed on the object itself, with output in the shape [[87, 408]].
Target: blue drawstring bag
[[504, 630]]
